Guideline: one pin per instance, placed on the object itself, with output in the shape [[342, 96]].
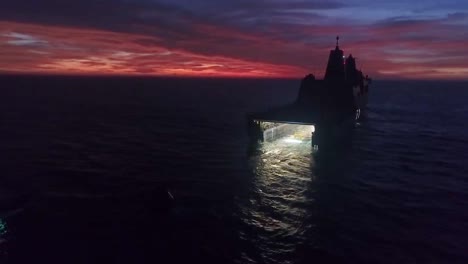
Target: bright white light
[[292, 140], [273, 131]]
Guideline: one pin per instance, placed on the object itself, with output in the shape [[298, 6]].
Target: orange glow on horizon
[[41, 49]]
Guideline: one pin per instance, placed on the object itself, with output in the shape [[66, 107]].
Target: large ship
[[323, 109]]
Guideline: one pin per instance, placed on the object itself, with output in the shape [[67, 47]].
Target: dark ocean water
[[85, 164]]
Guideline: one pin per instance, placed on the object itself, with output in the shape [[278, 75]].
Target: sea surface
[[86, 165]]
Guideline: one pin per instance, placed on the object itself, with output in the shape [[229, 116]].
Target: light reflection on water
[[279, 206], [3, 228], [3, 233]]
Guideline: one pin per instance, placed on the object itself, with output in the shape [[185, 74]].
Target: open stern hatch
[[290, 132]]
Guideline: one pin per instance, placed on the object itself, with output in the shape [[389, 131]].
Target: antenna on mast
[[337, 38]]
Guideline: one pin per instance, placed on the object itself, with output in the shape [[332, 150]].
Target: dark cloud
[[171, 21], [457, 16], [235, 5], [402, 21], [100, 14]]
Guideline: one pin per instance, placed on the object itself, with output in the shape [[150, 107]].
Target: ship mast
[[335, 71]]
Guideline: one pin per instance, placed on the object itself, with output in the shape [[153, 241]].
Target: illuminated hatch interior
[[288, 132]]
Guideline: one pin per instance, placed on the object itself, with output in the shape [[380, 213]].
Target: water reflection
[[3, 240], [3, 228], [279, 204]]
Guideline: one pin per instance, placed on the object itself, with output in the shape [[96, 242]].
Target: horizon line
[[146, 76]]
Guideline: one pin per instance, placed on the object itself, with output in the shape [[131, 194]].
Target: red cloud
[[82, 51], [401, 49]]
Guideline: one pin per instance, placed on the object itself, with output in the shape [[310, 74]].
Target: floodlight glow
[[272, 131], [292, 140]]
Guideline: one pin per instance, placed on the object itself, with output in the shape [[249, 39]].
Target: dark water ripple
[[83, 161]]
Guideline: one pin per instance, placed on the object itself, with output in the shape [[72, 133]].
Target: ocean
[[86, 164]]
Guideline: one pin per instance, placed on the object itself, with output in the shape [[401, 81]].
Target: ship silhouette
[[326, 106]]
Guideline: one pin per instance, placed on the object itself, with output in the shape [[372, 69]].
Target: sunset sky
[[235, 38]]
